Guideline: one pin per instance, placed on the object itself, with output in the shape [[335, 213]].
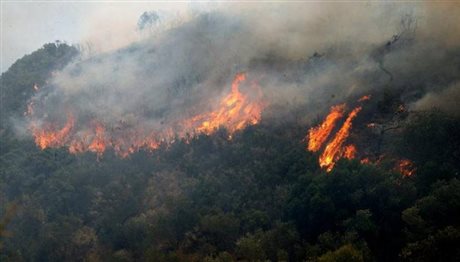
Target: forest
[[257, 197], [221, 141]]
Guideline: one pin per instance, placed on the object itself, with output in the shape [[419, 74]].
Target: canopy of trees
[[259, 196]]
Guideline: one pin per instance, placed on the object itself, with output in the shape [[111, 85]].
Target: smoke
[[446, 100], [157, 77], [109, 27], [312, 54]]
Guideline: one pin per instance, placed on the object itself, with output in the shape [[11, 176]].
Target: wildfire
[[98, 144], [235, 111], [50, 136], [334, 150], [318, 135]]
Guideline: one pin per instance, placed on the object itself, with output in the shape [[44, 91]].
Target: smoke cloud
[[310, 54]]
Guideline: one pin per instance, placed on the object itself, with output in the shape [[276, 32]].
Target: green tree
[[346, 253]]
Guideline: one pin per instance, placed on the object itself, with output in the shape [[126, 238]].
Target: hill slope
[[260, 195]]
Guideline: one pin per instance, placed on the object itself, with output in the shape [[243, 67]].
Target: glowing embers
[[234, 112], [364, 98], [405, 167], [349, 152]]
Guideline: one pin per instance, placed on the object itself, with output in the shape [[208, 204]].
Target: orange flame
[[52, 137], [318, 135], [98, 144], [334, 150], [349, 152], [234, 112]]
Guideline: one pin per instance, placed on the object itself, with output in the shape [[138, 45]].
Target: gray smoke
[[315, 55], [446, 100]]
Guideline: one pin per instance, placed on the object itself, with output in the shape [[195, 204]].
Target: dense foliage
[[17, 83], [259, 196]]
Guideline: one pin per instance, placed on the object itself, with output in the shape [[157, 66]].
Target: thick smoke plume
[[314, 55]]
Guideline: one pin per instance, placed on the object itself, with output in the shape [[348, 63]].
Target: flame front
[[49, 136], [234, 112], [318, 135]]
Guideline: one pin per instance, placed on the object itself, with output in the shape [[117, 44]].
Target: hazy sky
[[26, 26]]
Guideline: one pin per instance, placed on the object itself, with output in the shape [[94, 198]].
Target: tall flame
[[99, 142], [334, 149], [234, 112], [318, 135]]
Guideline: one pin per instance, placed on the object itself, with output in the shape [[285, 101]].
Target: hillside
[[258, 196], [227, 137]]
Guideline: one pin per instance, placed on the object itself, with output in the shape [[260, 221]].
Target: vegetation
[[259, 196], [17, 83]]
